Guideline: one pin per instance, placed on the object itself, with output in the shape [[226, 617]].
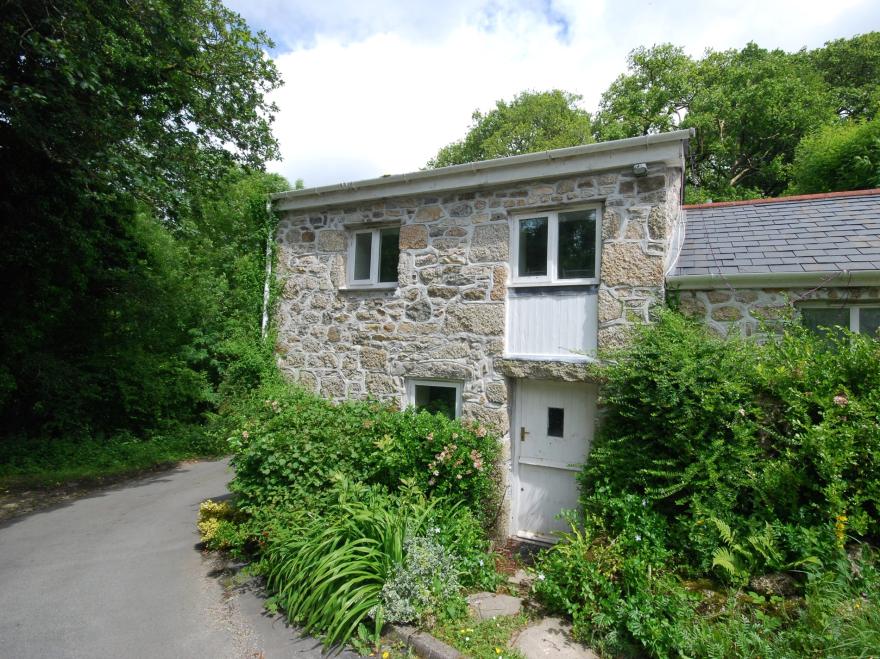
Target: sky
[[376, 87]]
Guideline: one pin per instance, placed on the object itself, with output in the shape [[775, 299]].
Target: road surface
[[118, 574]]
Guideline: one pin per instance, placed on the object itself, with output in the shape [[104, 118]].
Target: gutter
[[666, 147], [842, 278]]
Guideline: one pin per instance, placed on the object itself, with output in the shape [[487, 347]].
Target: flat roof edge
[[835, 278], [498, 171]]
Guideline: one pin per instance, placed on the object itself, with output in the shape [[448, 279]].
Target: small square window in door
[[555, 422]]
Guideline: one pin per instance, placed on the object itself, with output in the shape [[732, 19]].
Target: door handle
[[522, 433]]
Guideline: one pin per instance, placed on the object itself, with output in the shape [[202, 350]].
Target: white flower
[[638, 538], [481, 562], [436, 529], [644, 502], [541, 576]]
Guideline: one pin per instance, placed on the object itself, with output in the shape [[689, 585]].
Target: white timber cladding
[[552, 323]]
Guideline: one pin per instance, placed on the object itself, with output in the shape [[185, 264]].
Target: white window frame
[[412, 383], [854, 315], [373, 281], [551, 278]]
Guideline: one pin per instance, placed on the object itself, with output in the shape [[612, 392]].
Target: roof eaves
[[836, 278], [603, 155]]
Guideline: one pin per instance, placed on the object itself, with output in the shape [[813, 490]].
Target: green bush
[[781, 433], [718, 462], [840, 156], [289, 444], [423, 583], [620, 595]]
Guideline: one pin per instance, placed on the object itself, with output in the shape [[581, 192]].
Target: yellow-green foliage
[[211, 514]]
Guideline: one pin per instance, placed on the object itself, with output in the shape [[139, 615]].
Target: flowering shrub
[[289, 444]]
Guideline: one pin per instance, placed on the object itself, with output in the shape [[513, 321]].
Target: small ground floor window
[[435, 396], [857, 318]]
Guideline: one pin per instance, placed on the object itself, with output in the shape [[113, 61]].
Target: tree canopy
[[532, 121], [126, 133], [840, 156], [751, 108]]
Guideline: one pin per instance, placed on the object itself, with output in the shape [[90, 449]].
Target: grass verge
[[486, 639], [43, 462]]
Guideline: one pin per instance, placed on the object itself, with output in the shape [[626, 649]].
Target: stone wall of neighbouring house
[[446, 318], [726, 310]]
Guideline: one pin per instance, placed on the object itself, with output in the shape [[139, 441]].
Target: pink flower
[[841, 399], [245, 434]]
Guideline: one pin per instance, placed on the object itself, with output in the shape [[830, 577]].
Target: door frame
[[515, 488]]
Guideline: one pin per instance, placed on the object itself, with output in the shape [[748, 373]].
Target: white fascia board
[[668, 148], [837, 278]]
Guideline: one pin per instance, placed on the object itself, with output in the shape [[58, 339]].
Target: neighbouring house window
[[373, 257], [557, 247], [861, 319], [436, 396]]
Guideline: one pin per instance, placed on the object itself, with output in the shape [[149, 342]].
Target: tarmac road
[[117, 574]]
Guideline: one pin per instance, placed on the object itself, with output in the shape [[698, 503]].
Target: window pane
[[869, 321], [363, 245], [389, 251], [577, 245], [555, 422], [436, 399], [816, 319], [533, 247]]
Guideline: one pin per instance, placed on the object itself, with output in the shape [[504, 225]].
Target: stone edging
[[422, 643]]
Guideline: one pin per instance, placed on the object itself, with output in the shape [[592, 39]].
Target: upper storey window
[[556, 247], [373, 257]]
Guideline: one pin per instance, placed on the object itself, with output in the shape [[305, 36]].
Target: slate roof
[[812, 233]]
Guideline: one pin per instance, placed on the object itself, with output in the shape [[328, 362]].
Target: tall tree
[[840, 156], [851, 67], [532, 121], [115, 119], [652, 98], [750, 107]]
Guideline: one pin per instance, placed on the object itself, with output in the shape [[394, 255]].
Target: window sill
[[547, 283], [562, 359], [368, 287]]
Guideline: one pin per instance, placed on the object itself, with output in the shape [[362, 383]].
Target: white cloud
[[378, 88]]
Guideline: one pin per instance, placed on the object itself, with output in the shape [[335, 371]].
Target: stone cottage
[[818, 256], [485, 290]]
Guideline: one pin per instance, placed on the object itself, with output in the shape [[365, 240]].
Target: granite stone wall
[[727, 310], [446, 317]]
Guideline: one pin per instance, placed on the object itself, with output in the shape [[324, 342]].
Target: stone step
[[551, 637], [485, 606]]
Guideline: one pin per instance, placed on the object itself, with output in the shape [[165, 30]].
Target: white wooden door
[[551, 434]]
